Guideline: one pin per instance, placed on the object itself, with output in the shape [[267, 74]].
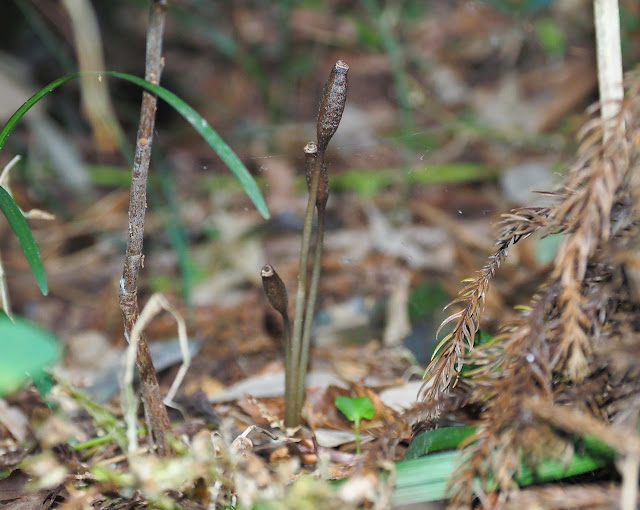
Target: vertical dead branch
[[607, 23], [155, 413]]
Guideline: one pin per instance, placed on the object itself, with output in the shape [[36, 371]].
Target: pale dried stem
[[156, 304], [607, 23], [560, 497]]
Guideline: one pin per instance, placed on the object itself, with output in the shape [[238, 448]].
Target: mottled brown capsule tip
[[334, 97], [274, 289], [311, 149]]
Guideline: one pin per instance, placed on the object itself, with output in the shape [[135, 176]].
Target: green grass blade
[[210, 136], [425, 478], [591, 454], [436, 440], [11, 123], [191, 116], [22, 231], [367, 182]]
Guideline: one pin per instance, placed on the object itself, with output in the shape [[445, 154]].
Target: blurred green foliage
[[425, 299], [551, 37], [25, 351]]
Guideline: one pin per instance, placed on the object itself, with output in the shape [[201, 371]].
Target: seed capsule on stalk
[[310, 156], [310, 162], [334, 97], [274, 289]]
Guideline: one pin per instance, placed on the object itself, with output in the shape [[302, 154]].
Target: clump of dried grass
[[575, 341]]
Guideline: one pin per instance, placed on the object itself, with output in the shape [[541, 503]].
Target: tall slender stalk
[[332, 104], [322, 196], [311, 304], [155, 412], [291, 414]]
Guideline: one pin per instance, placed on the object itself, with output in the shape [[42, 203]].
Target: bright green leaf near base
[[25, 351], [355, 408]]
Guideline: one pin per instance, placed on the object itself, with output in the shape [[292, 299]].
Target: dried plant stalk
[[554, 497], [155, 412]]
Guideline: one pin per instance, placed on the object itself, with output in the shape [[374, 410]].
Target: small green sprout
[[355, 408]]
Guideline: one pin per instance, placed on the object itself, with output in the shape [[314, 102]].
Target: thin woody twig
[[155, 413]]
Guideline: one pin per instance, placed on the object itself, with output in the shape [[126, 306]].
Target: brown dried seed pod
[[332, 104], [274, 289]]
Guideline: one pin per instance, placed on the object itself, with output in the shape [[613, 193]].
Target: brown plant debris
[[553, 497], [573, 342]]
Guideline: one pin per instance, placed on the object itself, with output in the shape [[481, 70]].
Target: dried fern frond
[[576, 342], [448, 359], [587, 215], [583, 211], [513, 367]]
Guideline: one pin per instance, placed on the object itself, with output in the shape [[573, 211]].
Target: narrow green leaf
[[554, 469], [425, 478], [190, 115], [210, 136], [436, 440], [22, 231], [11, 123], [366, 182], [25, 350]]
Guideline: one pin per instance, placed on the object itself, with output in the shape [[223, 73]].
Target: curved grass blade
[[436, 440], [210, 136], [22, 231], [191, 116], [11, 123], [596, 455]]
